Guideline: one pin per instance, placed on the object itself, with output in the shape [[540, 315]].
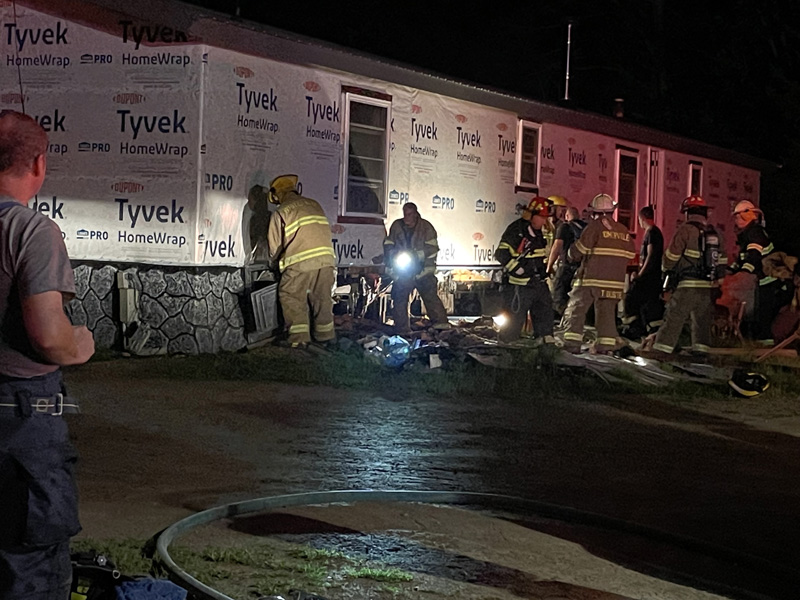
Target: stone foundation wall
[[179, 310]]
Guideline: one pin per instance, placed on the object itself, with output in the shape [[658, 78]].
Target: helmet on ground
[[557, 200], [280, 185], [748, 384], [538, 206], [603, 203], [693, 202]]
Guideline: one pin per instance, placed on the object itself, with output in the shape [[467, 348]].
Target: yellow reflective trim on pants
[[539, 253], [323, 328], [299, 328], [573, 337], [766, 280], [305, 255], [658, 323], [723, 260], [748, 267], [388, 242], [758, 247], [612, 252], [518, 280], [312, 219], [614, 285], [606, 341], [701, 348], [671, 256], [692, 253], [663, 348], [768, 250], [695, 283]]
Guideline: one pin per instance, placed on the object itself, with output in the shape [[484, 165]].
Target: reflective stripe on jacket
[[684, 254], [754, 247], [299, 235], [421, 242], [523, 252], [605, 248]]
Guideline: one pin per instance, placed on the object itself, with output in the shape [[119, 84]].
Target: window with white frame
[[695, 178], [526, 172], [367, 143]]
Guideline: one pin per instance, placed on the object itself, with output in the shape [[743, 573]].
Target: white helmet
[[603, 203], [744, 206]]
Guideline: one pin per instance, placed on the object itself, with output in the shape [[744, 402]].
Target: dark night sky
[[724, 72]]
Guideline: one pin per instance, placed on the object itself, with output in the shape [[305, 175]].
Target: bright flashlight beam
[[402, 260], [500, 320]]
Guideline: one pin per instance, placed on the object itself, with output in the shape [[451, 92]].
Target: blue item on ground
[[150, 589]]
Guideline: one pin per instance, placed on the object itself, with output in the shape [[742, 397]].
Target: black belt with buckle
[[22, 406]]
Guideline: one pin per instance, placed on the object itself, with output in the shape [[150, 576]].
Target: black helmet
[[748, 384]]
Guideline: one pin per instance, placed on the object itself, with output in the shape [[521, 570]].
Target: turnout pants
[[427, 286], [521, 300], [38, 495], [301, 291], [580, 300], [684, 304]]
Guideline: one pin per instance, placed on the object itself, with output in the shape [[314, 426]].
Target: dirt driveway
[[153, 451]]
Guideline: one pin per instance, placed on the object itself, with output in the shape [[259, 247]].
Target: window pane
[[529, 158], [368, 168], [627, 190], [367, 142], [364, 196], [368, 114]]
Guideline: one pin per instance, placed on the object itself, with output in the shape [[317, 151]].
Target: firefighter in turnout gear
[[691, 266], [409, 252], [604, 250], [771, 293], [299, 239], [523, 251]]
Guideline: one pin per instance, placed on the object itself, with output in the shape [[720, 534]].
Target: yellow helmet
[[280, 185], [557, 200]]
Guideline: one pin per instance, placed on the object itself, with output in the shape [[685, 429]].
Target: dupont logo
[[12, 98], [603, 147], [127, 187], [96, 59], [83, 234], [129, 98], [101, 147], [416, 109], [311, 86], [461, 118], [477, 236], [337, 228], [243, 72], [396, 197], [502, 127], [571, 141]]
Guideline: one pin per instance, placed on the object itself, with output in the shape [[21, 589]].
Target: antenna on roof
[[569, 43]]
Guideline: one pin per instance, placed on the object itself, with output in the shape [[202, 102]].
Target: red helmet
[[538, 206], [693, 202]]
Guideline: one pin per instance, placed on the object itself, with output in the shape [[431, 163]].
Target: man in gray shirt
[[38, 494]]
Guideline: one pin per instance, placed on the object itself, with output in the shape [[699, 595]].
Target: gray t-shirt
[[33, 260]]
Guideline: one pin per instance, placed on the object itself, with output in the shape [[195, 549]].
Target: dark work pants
[[643, 300], [521, 300], [428, 287], [38, 497], [562, 285], [769, 300]]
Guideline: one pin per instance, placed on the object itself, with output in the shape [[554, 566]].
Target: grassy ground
[[264, 568]]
